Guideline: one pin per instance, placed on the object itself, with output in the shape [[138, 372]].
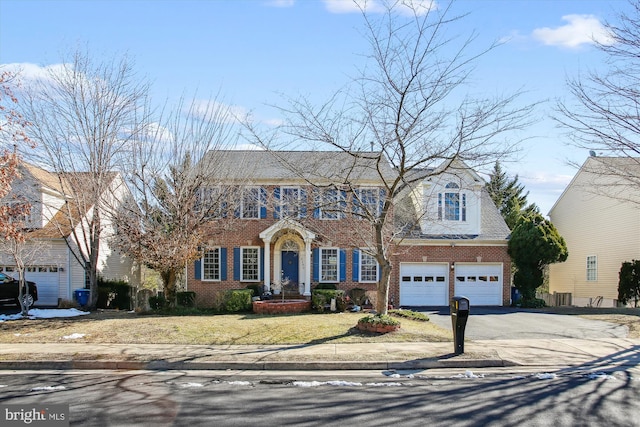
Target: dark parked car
[[9, 291]]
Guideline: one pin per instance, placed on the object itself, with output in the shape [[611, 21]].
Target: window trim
[[258, 265], [339, 202], [258, 203], [593, 269], [285, 207], [321, 265], [202, 264], [363, 253], [452, 201]]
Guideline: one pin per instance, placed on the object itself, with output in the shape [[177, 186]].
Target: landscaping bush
[[331, 286], [114, 294], [410, 314], [186, 299], [157, 302], [358, 295], [532, 303], [322, 297], [237, 300]]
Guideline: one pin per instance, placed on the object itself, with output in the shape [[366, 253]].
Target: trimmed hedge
[[114, 294], [186, 299]]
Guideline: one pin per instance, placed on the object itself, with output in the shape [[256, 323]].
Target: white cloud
[[217, 111], [579, 30], [377, 6], [29, 73]]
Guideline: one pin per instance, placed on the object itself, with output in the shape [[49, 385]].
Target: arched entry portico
[[292, 254]]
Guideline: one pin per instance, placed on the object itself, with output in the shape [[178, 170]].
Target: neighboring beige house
[[54, 217], [598, 215]]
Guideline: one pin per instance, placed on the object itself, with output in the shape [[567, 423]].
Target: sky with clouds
[[254, 51]]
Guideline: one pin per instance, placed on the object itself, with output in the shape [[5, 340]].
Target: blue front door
[[290, 268]]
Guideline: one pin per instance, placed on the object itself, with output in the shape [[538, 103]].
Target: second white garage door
[[424, 284], [481, 283]]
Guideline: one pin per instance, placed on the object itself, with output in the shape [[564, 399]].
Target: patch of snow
[[546, 376], [395, 375], [49, 388], [40, 313], [600, 375], [73, 336], [191, 385], [344, 384], [3, 385], [468, 374]]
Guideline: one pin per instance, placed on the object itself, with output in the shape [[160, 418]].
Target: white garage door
[[424, 284], [47, 280], [481, 283]]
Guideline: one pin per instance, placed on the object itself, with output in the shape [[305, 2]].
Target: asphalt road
[[139, 398], [504, 323]]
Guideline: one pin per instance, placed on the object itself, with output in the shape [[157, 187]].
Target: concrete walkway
[[535, 354]]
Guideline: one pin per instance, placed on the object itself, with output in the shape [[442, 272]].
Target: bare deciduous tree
[[410, 107], [602, 115], [174, 198], [84, 115]]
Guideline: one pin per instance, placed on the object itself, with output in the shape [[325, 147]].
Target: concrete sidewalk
[[537, 354]]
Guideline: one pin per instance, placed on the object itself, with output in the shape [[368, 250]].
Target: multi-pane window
[[592, 268], [290, 202], [332, 204], [452, 205], [368, 268], [210, 202], [250, 264], [367, 202], [211, 264], [250, 203], [329, 264]]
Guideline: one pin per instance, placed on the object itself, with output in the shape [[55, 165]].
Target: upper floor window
[[291, 202], [211, 202], [452, 204], [592, 268], [250, 203], [368, 202], [332, 204]]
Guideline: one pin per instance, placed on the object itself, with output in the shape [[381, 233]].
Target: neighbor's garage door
[[47, 280], [481, 283], [424, 284]]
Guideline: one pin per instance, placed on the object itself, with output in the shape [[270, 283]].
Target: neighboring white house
[[54, 217], [598, 215]]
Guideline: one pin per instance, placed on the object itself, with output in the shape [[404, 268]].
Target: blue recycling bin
[[82, 296]]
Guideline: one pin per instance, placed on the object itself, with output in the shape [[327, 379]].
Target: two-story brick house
[[298, 217]]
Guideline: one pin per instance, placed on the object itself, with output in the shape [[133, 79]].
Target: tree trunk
[[169, 278]]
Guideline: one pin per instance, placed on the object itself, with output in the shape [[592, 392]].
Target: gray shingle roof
[[313, 166]]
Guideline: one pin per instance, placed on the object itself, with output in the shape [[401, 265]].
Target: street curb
[[163, 365]]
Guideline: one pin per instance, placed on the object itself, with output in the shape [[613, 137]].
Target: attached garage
[[424, 284], [481, 283], [46, 278]]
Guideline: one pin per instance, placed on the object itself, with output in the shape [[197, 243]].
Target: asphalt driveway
[[504, 323]]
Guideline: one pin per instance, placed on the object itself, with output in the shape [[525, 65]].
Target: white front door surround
[[287, 232]]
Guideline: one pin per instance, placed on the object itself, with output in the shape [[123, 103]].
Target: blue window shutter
[[276, 202], [261, 261], [197, 274], [236, 264], [316, 265], [355, 267], [263, 203], [303, 203], [223, 263], [343, 265], [381, 197]]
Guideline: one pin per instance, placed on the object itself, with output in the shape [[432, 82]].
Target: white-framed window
[[211, 264], [290, 202], [211, 201], [250, 203], [592, 268], [329, 264], [250, 264], [452, 204], [333, 203], [367, 202], [368, 268]]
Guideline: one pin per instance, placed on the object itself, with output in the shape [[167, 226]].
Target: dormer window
[[452, 204]]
